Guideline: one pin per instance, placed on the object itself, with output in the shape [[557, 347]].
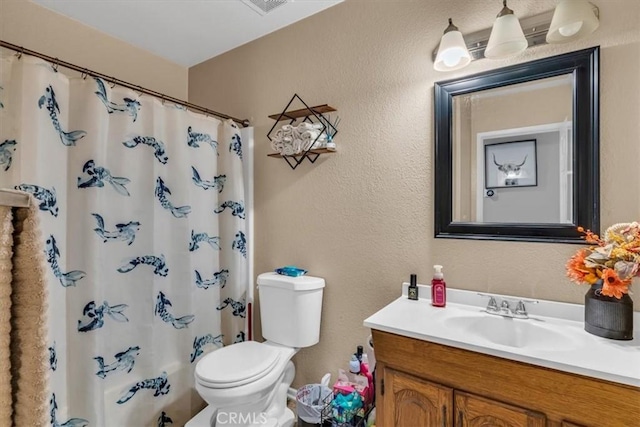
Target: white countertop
[[581, 353]]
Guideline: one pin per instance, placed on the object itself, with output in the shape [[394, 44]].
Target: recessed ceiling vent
[[264, 6]]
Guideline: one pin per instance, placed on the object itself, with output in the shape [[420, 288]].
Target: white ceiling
[[186, 32]]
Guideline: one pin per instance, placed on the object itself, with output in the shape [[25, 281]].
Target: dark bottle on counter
[[413, 287]]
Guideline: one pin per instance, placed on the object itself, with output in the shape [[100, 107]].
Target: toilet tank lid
[[300, 283]]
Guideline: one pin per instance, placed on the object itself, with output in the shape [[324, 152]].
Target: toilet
[[246, 384]]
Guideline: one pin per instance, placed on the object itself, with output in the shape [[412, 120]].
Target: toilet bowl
[[246, 384]]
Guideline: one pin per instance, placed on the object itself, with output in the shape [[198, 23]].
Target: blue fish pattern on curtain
[[72, 422], [240, 337], [219, 279], [53, 255], [238, 307], [125, 361], [236, 208], [130, 106], [240, 243], [147, 269], [162, 302], [236, 145], [6, 153], [195, 138], [49, 101], [53, 357], [161, 193], [96, 176], [46, 197], [159, 264], [200, 342], [158, 146], [159, 385], [94, 315], [197, 238], [217, 182], [126, 232], [164, 420]]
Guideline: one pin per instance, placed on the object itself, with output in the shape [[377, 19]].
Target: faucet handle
[[505, 309], [521, 310], [492, 305]]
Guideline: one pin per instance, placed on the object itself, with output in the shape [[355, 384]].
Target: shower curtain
[[143, 220]]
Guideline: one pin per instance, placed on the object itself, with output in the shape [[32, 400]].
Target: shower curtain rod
[[13, 198], [86, 72]]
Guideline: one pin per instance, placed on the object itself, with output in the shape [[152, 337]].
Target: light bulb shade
[[506, 38], [452, 53], [572, 19]]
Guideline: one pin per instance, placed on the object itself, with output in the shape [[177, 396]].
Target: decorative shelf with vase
[[309, 133]]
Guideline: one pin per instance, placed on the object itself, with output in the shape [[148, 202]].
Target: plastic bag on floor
[[310, 401]]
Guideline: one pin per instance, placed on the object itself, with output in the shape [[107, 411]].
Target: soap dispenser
[[438, 288]]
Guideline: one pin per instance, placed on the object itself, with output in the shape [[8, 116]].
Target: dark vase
[[608, 317]]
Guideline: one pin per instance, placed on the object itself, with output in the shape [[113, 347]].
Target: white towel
[[304, 126], [29, 367]]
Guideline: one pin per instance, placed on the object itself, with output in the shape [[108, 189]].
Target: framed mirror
[[517, 151]]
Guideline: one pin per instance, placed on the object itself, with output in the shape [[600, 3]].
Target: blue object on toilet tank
[[291, 270]]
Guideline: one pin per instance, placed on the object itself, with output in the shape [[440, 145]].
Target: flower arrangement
[[613, 258]]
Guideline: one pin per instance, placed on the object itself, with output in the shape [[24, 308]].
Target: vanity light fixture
[[452, 52], [572, 19], [507, 37]]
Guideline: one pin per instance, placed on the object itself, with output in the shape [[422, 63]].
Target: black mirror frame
[[584, 66]]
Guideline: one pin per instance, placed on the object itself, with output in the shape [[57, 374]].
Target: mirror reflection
[[517, 151], [512, 153]]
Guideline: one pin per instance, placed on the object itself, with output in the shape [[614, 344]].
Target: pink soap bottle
[[438, 288]]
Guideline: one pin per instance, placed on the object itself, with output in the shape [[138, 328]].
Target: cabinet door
[[409, 401], [475, 411]]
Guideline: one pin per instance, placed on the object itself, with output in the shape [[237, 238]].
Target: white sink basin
[[517, 333], [553, 336]]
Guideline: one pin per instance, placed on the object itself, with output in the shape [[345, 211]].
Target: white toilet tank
[[290, 309]]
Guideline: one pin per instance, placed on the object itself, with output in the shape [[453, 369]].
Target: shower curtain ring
[[140, 92], [85, 74], [162, 99], [55, 65], [20, 52], [112, 84]]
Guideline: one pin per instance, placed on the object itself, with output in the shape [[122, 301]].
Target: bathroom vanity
[[459, 366]]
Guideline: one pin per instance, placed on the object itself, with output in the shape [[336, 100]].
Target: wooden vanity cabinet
[[410, 401], [475, 411], [422, 384]]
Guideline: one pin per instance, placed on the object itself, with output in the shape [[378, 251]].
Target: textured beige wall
[[34, 27], [363, 218]]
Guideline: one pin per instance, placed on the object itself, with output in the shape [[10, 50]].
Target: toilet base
[[287, 419], [205, 419]]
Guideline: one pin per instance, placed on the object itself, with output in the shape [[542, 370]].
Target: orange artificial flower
[[612, 286], [613, 257], [578, 272]]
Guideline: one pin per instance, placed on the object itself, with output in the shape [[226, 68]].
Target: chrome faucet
[[505, 310]]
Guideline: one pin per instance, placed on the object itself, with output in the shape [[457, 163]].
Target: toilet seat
[[236, 365]]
